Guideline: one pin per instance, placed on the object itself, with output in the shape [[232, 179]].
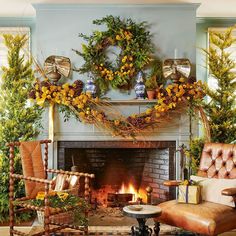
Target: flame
[[129, 188]]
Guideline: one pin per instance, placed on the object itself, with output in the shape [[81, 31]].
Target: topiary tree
[[221, 107], [18, 119]]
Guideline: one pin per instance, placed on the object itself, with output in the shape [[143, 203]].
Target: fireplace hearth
[[123, 169]]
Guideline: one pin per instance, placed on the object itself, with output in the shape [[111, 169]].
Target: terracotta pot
[[151, 94]]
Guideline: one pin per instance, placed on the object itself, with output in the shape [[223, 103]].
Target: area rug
[[119, 230]]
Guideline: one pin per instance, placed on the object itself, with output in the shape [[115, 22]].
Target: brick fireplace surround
[[145, 164]]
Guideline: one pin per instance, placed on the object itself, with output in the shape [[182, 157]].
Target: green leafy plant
[[156, 71], [221, 107], [65, 201], [151, 83], [18, 119], [194, 153]]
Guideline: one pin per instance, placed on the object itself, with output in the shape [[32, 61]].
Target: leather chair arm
[[229, 192], [172, 183]]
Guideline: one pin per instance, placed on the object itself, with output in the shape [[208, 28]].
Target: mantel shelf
[[132, 101]]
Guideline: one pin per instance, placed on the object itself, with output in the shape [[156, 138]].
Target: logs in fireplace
[[119, 199]]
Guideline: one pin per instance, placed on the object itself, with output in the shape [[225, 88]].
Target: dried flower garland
[[136, 48], [100, 112]]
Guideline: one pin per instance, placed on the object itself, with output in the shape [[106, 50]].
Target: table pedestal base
[[142, 229]]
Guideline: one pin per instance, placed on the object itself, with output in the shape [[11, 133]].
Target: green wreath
[[136, 48]]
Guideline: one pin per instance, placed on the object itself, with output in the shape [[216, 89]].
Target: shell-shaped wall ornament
[[55, 66], [174, 69]]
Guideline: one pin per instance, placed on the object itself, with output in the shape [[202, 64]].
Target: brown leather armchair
[[217, 161]]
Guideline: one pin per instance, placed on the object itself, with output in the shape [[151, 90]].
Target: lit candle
[[176, 53]]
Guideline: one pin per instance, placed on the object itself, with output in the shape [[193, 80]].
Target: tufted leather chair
[[217, 161]]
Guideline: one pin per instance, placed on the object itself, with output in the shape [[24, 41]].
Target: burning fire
[[129, 188]]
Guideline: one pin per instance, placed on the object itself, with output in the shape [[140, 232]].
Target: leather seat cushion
[[205, 218]]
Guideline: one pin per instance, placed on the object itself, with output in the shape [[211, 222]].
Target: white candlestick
[[176, 53]]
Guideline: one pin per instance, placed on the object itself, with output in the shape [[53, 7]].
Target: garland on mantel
[[101, 113]]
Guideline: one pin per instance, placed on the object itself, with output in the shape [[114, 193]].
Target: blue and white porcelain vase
[[139, 86], [90, 86]]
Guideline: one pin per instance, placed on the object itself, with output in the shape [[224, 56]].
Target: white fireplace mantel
[[176, 128]]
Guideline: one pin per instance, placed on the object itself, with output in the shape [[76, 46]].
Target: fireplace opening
[[123, 170]]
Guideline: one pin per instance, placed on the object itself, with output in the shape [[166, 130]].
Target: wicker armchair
[[35, 173]]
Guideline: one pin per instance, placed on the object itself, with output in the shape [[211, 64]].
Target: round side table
[[146, 211]]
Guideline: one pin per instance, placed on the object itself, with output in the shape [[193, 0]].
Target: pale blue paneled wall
[[57, 28]]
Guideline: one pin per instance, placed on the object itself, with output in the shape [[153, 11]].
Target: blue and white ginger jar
[[139, 86]]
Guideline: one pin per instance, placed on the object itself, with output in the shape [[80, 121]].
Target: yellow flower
[[170, 105], [52, 193], [181, 80], [96, 99], [116, 122], [44, 89], [158, 115], [82, 114], [40, 196], [40, 101], [147, 119], [99, 117], [85, 100], [168, 91], [128, 35], [53, 88], [118, 37], [148, 111], [131, 58], [65, 87], [80, 106], [124, 59], [62, 195]]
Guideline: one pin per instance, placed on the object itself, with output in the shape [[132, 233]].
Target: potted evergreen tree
[[154, 78], [151, 85], [18, 120], [221, 102]]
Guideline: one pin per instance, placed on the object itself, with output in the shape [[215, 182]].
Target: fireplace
[[122, 167]]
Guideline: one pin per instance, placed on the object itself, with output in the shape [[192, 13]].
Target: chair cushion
[[32, 165], [205, 218], [212, 188], [62, 182]]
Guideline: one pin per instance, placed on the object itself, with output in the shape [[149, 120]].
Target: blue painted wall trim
[[79, 6]]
